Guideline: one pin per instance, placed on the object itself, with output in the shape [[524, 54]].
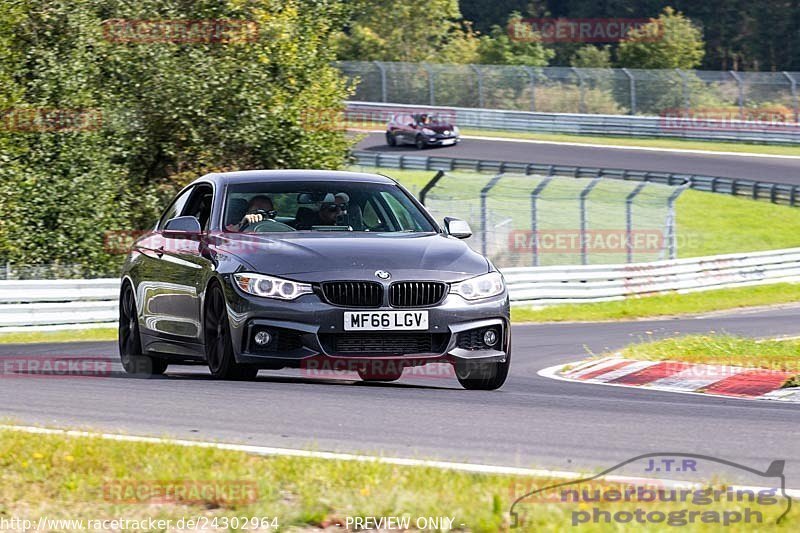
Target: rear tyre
[[475, 375], [130, 343], [420, 142], [391, 140], [218, 342]]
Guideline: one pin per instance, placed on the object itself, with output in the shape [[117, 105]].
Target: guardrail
[[76, 303], [597, 283], [777, 193], [58, 303], [682, 127]]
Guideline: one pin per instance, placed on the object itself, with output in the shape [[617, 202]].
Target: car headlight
[[484, 286], [271, 287], [428, 131]]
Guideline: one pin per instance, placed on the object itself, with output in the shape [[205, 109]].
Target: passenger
[[330, 211]]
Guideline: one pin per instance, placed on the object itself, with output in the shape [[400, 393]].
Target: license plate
[[385, 320], [448, 141]]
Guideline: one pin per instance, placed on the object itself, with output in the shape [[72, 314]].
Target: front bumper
[[305, 326], [441, 140]]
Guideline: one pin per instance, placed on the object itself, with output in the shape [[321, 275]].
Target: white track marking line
[[634, 148], [615, 146], [588, 369], [444, 465], [635, 366]]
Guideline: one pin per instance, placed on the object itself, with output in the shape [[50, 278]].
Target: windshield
[[266, 207]]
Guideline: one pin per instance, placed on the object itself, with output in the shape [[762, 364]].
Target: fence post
[[684, 90], [584, 193], [431, 83], [740, 87], [632, 85], [430, 185], [582, 104], [671, 236], [534, 217], [532, 81], [477, 71], [382, 68], [485, 211], [793, 86], [629, 220]]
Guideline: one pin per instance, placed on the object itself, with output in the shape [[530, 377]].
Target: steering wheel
[[269, 225]]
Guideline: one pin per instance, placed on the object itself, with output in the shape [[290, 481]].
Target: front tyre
[[391, 140], [130, 343], [218, 342], [420, 142], [476, 375]]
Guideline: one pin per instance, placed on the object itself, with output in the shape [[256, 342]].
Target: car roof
[[248, 176]]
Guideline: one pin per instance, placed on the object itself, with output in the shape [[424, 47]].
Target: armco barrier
[[83, 302], [581, 124], [596, 283], [777, 193]]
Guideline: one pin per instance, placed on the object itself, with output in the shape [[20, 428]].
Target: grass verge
[[681, 144], [77, 335], [663, 305], [86, 478], [723, 350]]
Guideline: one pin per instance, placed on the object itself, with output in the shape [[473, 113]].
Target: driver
[[257, 207]]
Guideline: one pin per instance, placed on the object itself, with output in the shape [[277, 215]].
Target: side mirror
[[457, 228], [183, 225]]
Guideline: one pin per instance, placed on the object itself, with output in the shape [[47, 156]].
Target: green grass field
[[722, 349], [87, 478], [662, 305], [707, 223]]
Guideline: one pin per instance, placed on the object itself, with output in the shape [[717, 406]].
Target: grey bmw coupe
[[301, 268]]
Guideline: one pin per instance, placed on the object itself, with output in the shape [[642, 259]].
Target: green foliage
[[592, 57], [413, 30], [668, 42], [498, 48], [171, 111]]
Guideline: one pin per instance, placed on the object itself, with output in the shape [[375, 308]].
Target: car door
[[186, 267], [151, 270], [406, 128]]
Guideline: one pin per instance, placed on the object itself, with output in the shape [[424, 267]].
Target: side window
[[175, 207], [199, 205], [370, 217]]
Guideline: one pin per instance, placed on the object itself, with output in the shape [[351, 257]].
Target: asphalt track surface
[[531, 422], [733, 166]]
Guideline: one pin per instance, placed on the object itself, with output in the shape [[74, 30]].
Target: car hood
[[321, 256], [439, 128]]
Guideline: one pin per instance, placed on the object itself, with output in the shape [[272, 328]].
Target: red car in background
[[421, 130]]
